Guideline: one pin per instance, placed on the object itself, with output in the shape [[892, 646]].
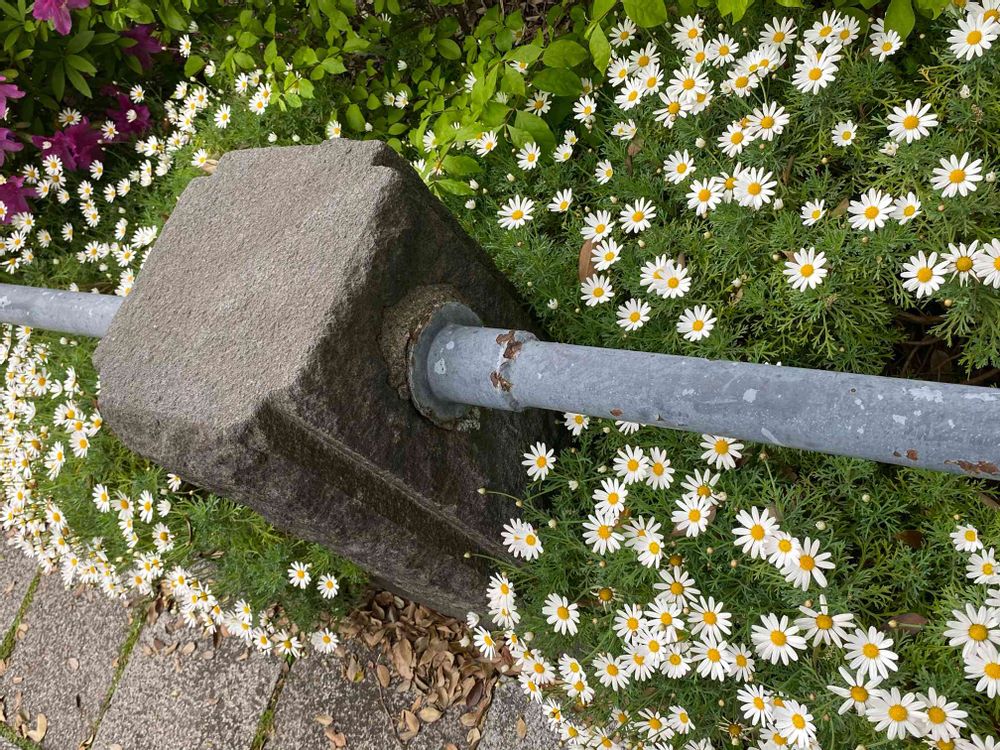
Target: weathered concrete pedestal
[[262, 356]]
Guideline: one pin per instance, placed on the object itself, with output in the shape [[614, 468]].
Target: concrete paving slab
[[367, 714], [16, 573], [64, 663], [501, 729], [182, 692]]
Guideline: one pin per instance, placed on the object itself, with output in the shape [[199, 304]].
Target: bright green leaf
[[79, 41], [558, 81], [537, 128], [602, 8], [170, 16], [449, 49], [81, 63], [646, 13], [193, 65], [899, 17], [564, 53], [526, 53], [600, 48], [354, 119], [460, 166]]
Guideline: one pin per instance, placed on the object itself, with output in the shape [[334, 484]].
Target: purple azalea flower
[[77, 146], [7, 91], [13, 194], [146, 45], [57, 11], [129, 118], [7, 143]]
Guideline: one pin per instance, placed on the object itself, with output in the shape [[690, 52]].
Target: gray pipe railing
[[941, 426], [75, 313]]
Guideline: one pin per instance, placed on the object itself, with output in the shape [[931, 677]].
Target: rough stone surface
[[248, 360], [179, 692], [16, 573], [508, 708], [64, 663], [364, 712], [5, 745]]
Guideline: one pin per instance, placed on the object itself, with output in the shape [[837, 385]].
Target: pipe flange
[[445, 414]]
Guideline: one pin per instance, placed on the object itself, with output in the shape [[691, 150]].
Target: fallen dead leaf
[[382, 673], [337, 739], [323, 719], [586, 265], [522, 728], [429, 714], [73, 663], [41, 727]]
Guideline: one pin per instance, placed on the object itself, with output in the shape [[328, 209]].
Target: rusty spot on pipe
[[506, 338], [979, 467], [912, 455], [616, 412], [511, 346], [499, 381]]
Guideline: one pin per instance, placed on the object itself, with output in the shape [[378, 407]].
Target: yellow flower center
[[703, 195], [970, 535], [694, 515], [815, 74], [806, 270], [798, 721], [767, 122], [779, 37], [697, 325], [517, 214], [638, 216], [978, 632], [910, 122], [824, 622], [785, 545], [676, 588], [713, 654], [741, 82], [957, 176], [936, 714], [682, 168], [531, 540], [604, 532], [870, 650], [562, 613], [975, 37], [992, 670], [925, 274], [898, 712], [871, 212], [754, 188], [722, 447], [806, 562], [710, 618], [612, 670], [778, 638], [673, 282], [632, 623]]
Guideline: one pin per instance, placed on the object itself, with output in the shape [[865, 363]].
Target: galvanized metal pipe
[[938, 426], [75, 313]]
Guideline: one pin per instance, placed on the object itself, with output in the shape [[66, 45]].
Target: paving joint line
[[265, 725], [9, 640], [124, 654]]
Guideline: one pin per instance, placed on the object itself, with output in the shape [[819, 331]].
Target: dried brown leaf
[[382, 673], [41, 727], [429, 714], [522, 728], [586, 265], [324, 720]]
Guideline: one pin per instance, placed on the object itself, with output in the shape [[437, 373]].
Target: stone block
[[64, 663], [260, 356], [182, 692]]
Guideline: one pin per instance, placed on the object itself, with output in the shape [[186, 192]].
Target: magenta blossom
[[7, 91], [7, 143], [57, 11], [129, 118], [12, 195], [146, 45], [77, 146]]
